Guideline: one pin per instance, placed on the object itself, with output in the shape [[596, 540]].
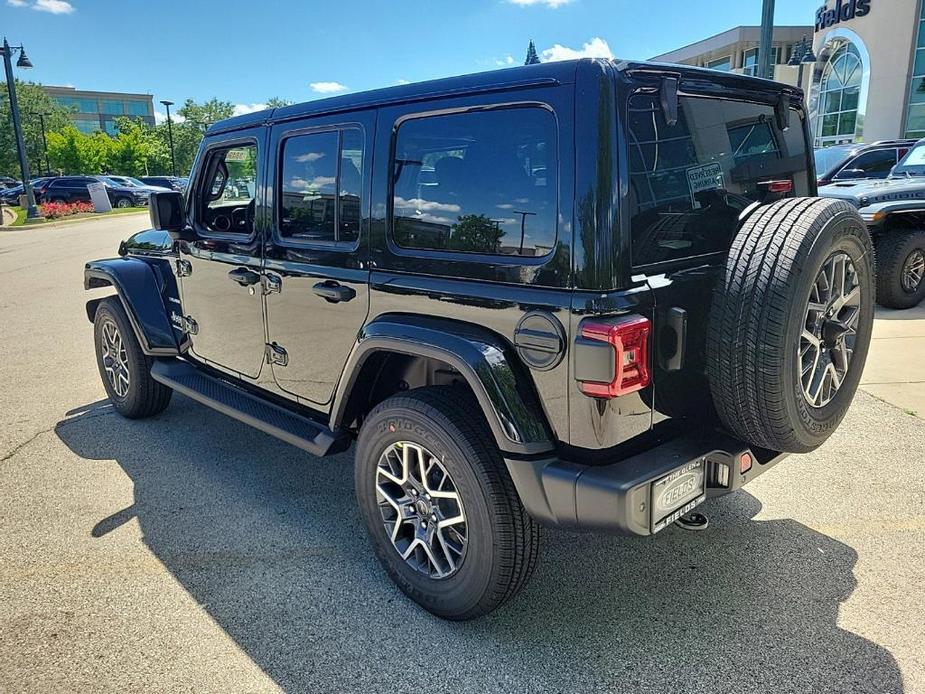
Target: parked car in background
[[10, 196], [859, 161], [7, 182], [894, 211], [133, 182], [74, 189], [168, 182]]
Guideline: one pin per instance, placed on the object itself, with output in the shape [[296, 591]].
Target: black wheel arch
[[140, 288], [475, 357]]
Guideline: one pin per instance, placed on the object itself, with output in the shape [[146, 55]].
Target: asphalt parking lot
[[190, 553]]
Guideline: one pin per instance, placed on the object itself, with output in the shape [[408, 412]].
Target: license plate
[[675, 494]]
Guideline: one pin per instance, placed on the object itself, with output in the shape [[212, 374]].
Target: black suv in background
[[856, 161], [585, 294], [74, 189]]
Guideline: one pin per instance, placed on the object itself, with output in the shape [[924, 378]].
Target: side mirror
[[167, 214]]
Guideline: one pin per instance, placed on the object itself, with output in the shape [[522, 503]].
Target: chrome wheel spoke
[[114, 358], [422, 512]]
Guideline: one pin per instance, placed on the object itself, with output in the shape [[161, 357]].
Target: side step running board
[[277, 421]]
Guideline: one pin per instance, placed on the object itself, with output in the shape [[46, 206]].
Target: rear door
[[689, 182], [317, 269]]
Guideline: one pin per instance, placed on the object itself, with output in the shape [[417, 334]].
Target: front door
[[220, 271], [316, 265]]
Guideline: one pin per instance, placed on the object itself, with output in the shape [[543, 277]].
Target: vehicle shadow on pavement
[[267, 539]]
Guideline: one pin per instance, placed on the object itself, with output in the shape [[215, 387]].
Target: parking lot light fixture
[[32, 211]]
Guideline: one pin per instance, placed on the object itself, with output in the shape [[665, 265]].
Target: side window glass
[[227, 196], [690, 181], [876, 164], [478, 182], [320, 186]]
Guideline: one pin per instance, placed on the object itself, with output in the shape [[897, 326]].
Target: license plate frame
[[677, 494]]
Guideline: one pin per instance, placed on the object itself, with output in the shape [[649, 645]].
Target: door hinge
[[186, 323], [272, 284], [184, 268], [277, 355]]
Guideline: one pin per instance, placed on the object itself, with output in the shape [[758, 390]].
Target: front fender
[[140, 289], [504, 391]]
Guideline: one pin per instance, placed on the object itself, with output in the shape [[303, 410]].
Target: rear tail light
[[629, 339], [782, 186]]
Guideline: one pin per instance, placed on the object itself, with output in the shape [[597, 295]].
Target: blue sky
[[246, 52]]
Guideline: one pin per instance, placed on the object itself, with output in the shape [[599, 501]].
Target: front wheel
[[124, 368], [901, 269], [440, 508], [123, 203]]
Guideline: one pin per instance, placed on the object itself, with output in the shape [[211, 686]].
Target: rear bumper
[[618, 498]]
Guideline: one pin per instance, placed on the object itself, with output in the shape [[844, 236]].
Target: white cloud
[[548, 3], [309, 157], [426, 205], [595, 48], [402, 81], [241, 109], [505, 61], [53, 6], [328, 87], [161, 117], [17, 3]]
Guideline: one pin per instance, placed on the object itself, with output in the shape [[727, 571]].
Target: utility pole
[[32, 211], [765, 69]]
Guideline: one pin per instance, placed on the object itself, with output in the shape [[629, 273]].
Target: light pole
[[23, 62], [173, 159], [41, 117], [802, 54], [767, 35]]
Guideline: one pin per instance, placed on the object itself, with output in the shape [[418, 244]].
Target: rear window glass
[[477, 182], [690, 181]]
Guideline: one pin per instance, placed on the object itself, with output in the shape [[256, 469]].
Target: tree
[[32, 101], [137, 150], [532, 57], [475, 232], [277, 102], [74, 152]]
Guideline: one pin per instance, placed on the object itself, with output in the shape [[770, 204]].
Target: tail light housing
[[612, 356]]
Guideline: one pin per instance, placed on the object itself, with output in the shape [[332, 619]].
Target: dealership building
[[868, 80], [92, 111]]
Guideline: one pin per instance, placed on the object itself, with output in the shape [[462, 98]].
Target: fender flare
[[140, 290], [504, 391]]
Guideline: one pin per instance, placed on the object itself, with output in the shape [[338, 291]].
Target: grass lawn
[[21, 215]]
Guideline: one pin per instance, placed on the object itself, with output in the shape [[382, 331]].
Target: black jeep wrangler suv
[[586, 294]]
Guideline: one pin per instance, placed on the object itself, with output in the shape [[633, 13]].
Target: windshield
[[829, 157], [913, 164]]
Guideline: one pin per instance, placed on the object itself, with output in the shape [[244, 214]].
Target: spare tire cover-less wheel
[[791, 322]]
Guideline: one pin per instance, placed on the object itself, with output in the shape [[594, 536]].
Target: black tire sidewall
[[133, 402], [843, 233], [890, 290], [454, 596]]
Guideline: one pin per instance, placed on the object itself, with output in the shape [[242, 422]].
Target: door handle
[[333, 291], [244, 277]]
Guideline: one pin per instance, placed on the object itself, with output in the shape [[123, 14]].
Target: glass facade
[[915, 116], [839, 93], [92, 112]]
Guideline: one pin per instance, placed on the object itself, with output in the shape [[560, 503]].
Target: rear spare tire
[[791, 322]]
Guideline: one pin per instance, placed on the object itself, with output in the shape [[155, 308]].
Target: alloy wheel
[[913, 271], [422, 512], [115, 358], [829, 330]]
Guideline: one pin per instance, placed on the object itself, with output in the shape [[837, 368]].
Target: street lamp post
[[173, 159], [802, 55], [23, 62], [767, 36]]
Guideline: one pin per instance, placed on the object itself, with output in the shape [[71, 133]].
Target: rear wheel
[[901, 269], [124, 368], [441, 510], [123, 203], [791, 323]]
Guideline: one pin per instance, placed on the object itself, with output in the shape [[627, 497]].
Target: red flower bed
[[53, 210]]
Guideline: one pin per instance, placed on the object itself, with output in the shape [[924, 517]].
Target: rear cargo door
[[691, 175]]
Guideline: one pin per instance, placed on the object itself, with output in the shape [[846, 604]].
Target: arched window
[[839, 95]]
